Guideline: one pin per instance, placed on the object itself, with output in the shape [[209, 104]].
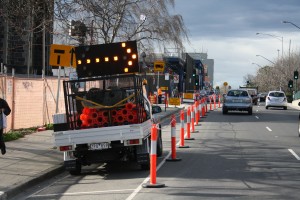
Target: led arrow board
[[107, 59]]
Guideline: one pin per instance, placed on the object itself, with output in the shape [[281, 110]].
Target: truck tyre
[[145, 166], [77, 170], [159, 143], [250, 111]]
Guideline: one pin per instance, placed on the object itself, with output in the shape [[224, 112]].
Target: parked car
[[237, 100], [262, 96], [276, 99]]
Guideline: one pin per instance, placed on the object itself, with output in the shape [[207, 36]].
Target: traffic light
[[296, 74], [197, 80], [290, 84], [194, 73]]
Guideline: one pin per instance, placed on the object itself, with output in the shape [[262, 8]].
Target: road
[[234, 156]]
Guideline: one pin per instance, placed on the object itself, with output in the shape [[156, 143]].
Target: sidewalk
[[32, 159]]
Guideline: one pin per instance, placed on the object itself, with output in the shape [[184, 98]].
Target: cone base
[[189, 138], [156, 185], [173, 159], [183, 147]]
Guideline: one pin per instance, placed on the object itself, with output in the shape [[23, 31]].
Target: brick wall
[[33, 101]]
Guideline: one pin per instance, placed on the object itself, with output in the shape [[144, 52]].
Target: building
[[208, 70], [194, 72], [21, 35]]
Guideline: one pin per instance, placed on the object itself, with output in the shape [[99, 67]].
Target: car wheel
[[267, 107], [250, 111], [77, 169], [285, 108]]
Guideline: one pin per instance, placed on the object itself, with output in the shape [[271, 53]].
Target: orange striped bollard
[[181, 144], [206, 106], [204, 109], [153, 157], [196, 112], [173, 140], [215, 98], [200, 109], [188, 125], [193, 119]]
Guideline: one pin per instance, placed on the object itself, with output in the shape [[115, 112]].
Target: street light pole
[[278, 38], [287, 22], [266, 59], [256, 64]]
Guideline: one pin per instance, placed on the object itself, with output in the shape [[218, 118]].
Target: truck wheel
[[77, 169], [145, 166], [159, 143]]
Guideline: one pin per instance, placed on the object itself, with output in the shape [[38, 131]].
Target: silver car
[[237, 100], [276, 99]]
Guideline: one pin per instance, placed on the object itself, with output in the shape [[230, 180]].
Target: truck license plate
[[99, 146]]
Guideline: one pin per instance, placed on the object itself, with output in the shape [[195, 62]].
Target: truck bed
[[103, 134]]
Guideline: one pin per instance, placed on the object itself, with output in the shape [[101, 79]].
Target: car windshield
[[276, 94], [237, 93]]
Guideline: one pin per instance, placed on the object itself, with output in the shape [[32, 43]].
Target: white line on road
[[294, 154], [134, 193], [256, 117], [268, 129]]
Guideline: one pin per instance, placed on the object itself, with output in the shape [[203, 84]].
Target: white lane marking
[[268, 129], [294, 154], [134, 193], [256, 117], [77, 193]]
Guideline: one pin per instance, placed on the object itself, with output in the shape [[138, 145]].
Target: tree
[[25, 20], [149, 22]]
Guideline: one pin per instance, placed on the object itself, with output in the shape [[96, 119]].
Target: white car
[[276, 99]]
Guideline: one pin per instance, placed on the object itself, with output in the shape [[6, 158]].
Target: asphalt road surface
[[233, 156]]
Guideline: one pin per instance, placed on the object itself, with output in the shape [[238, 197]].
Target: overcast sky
[[226, 31]]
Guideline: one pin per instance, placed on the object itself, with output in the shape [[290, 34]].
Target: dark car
[[262, 97]]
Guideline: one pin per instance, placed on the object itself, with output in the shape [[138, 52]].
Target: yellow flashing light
[[123, 44], [97, 60], [133, 56], [130, 63], [128, 50], [106, 59], [88, 61], [126, 69], [79, 62], [116, 58]]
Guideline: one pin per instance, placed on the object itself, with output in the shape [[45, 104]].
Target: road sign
[[62, 55], [174, 101], [159, 66], [188, 95], [163, 88]]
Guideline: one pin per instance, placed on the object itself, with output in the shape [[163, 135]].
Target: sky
[[226, 31]]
